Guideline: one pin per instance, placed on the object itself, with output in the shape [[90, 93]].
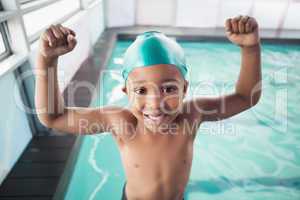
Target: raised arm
[[52, 112], [242, 31]]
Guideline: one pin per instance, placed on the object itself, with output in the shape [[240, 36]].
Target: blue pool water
[[253, 155]]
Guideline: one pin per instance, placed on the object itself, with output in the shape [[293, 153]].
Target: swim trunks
[[124, 197]]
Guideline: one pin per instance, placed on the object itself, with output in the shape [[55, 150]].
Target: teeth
[[155, 117]]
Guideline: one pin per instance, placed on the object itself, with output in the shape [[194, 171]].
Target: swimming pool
[[253, 155]]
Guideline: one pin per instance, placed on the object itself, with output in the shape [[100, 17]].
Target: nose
[[153, 102]]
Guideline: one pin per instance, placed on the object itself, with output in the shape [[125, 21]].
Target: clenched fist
[[243, 31], [56, 41]]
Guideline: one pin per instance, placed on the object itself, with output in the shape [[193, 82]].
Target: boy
[[155, 134]]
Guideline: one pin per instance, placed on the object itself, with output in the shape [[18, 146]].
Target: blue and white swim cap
[[152, 48]]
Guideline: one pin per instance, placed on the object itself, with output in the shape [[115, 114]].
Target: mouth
[[157, 118]]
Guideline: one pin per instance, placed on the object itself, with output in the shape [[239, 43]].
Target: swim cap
[[152, 48]]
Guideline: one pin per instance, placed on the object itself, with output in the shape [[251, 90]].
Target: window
[[39, 14], [27, 1], [4, 46], [31, 17], [91, 1]]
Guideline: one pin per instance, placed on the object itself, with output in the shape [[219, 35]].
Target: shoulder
[[114, 114], [192, 110], [120, 120], [190, 118]]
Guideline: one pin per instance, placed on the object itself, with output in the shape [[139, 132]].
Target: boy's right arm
[[56, 41]]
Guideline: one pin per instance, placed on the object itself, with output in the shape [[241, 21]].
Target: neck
[[160, 130]]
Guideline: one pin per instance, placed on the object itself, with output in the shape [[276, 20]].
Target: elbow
[[255, 97], [45, 121], [251, 98], [50, 123], [255, 100]]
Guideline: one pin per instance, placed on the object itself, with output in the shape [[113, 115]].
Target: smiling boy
[[155, 134]]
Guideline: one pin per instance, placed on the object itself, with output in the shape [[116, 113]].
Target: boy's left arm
[[242, 31]]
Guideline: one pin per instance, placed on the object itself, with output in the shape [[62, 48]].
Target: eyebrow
[[165, 80]]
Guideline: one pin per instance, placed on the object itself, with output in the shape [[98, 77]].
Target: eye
[[169, 89], [140, 91]]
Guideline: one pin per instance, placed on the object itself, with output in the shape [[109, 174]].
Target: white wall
[[231, 8], [293, 17], [155, 12], [271, 14], [14, 129], [15, 133], [192, 13], [120, 13]]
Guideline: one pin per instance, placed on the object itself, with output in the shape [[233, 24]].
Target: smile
[[155, 118]]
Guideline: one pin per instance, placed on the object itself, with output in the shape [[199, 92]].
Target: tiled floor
[[37, 172]]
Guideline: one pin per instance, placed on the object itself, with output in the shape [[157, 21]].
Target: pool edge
[[64, 181]]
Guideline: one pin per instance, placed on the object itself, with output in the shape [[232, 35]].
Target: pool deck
[[37, 174]]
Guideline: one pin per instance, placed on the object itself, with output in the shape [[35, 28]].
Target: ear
[[124, 89], [186, 85]]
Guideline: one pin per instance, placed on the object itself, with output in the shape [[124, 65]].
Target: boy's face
[[156, 94]]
